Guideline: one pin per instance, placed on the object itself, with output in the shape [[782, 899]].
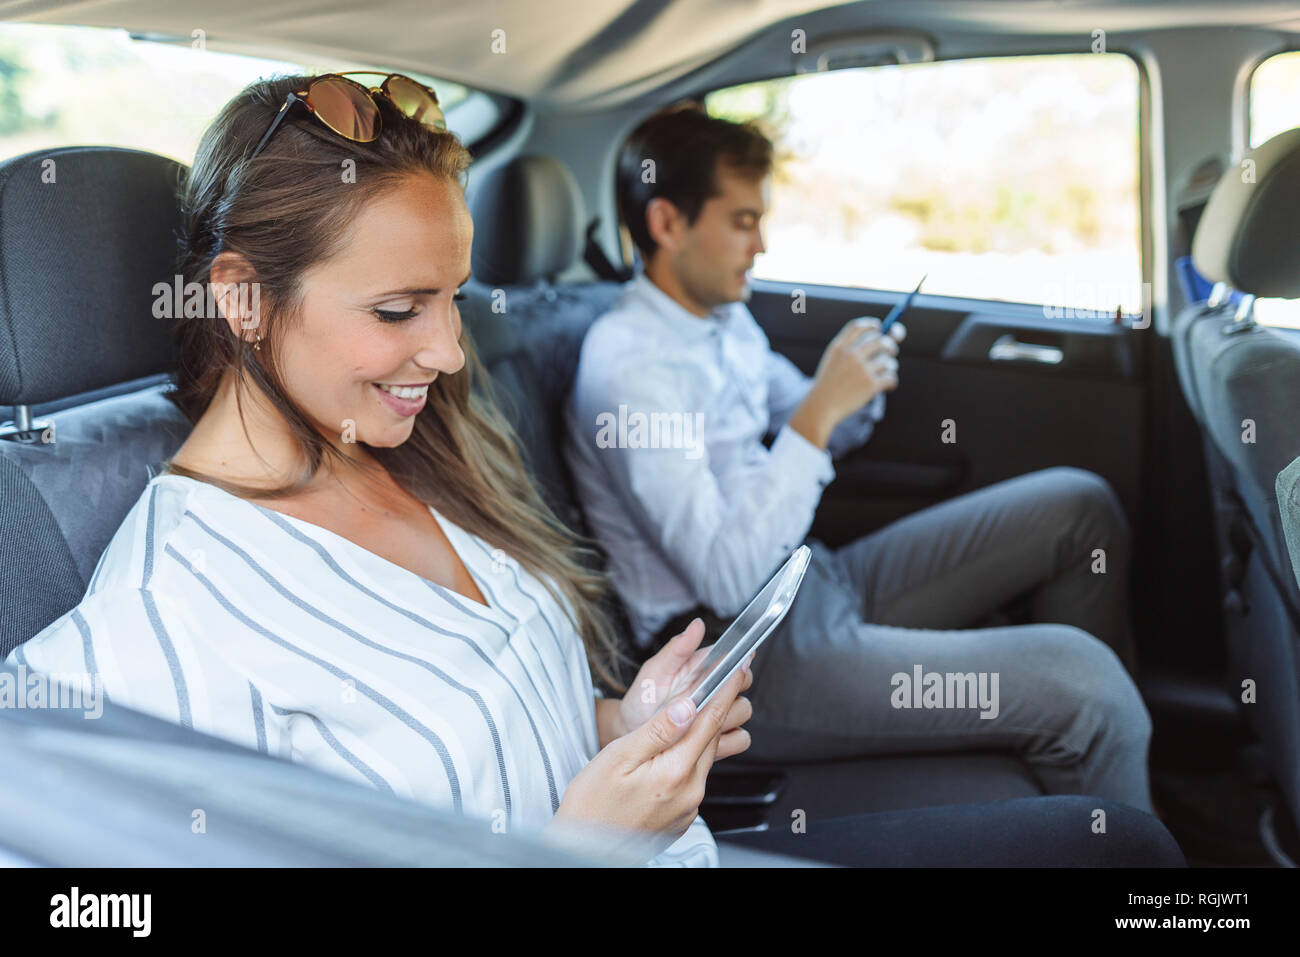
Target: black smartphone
[[901, 307]]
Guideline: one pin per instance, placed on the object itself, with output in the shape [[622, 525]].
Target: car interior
[[1177, 394]]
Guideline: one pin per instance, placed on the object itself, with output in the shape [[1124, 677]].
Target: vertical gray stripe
[[87, 646], [169, 652], [373, 776], [427, 733], [148, 540], [259, 719]]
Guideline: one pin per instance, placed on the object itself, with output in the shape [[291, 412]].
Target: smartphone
[[748, 631], [901, 307]]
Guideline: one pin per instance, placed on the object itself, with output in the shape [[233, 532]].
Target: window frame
[[1145, 204]]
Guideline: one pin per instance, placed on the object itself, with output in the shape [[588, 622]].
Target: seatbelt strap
[[595, 257]]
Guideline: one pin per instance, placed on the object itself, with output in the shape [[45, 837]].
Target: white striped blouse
[[217, 613]]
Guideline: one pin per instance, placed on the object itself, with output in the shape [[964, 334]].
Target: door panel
[[1021, 391]]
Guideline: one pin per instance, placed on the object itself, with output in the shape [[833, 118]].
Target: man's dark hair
[[685, 145]]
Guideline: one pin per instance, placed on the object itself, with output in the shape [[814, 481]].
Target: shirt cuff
[[804, 462], [854, 431]]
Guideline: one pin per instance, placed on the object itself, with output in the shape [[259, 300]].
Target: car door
[[1031, 343]]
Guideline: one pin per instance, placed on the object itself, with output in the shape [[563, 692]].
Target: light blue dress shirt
[[664, 437]]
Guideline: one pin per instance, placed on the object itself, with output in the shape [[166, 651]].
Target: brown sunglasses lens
[[346, 108], [415, 101]]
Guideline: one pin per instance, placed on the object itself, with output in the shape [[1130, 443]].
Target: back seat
[[528, 328], [79, 318]]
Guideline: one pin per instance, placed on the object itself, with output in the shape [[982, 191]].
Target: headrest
[[1249, 234], [528, 221], [86, 234]]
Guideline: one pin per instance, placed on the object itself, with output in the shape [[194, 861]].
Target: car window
[[1275, 108], [84, 86], [970, 171]]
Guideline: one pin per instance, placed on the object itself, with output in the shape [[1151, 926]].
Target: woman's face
[[382, 312]]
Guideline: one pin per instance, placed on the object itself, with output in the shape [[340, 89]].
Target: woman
[[346, 563]]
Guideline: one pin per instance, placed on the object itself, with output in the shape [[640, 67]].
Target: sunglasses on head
[[351, 110]]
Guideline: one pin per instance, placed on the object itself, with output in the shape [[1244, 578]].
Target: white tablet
[[748, 631]]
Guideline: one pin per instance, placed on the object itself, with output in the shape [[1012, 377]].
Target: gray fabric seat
[[528, 328], [1241, 381], [79, 258]]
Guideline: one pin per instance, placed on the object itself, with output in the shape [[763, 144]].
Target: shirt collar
[[680, 319]]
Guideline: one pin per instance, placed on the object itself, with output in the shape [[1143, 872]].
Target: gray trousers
[[881, 652]]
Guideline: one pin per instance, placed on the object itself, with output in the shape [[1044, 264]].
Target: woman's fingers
[[683, 645], [741, 711], [712, 719], [732, 743]]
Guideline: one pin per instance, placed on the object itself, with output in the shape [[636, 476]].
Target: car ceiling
[[571, 55]]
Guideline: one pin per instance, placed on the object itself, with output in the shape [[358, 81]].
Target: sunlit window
[[86, 86], [1010, 178], [1275, 108]]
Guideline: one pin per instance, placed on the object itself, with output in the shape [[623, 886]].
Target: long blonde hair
[[462, 457]]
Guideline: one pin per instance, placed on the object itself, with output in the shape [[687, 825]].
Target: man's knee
[[1089, 683], [1083, 506], [1089, 500]]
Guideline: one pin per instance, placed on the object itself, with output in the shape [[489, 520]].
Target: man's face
[[407, 256], [716, 253]]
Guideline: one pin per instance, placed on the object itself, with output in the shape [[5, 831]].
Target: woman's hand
[[668, 673], [652, 779]]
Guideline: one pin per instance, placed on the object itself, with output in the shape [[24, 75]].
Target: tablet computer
[[748, 631]]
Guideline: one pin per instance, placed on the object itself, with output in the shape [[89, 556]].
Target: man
[[676, 389]]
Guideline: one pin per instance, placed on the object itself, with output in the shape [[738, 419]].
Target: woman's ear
[[237, 294]]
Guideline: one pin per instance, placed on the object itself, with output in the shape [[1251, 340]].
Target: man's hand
[[666, 674], [859, 364]]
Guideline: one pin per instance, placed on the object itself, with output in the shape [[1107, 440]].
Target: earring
[[258, 344]]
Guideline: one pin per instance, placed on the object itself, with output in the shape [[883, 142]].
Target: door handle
[[1008, 348]]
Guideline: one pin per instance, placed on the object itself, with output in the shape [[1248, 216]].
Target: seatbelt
[[595, 257]]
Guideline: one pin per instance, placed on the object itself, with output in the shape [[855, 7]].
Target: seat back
[[86, 235], [528, 327], [1240, 380]]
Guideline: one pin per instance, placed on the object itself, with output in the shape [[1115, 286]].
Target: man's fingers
[[876, 344], [883, 364], [855, 328]]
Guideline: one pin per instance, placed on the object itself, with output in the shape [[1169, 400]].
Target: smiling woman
[[346, 563], [290, 403]]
